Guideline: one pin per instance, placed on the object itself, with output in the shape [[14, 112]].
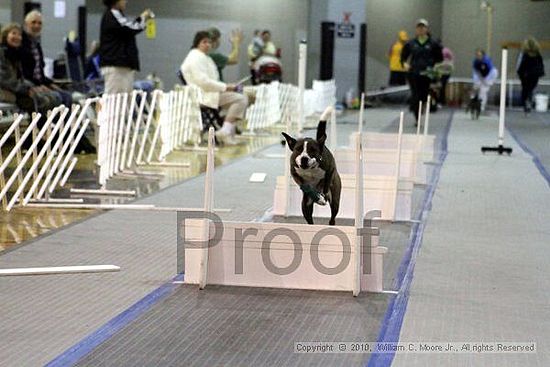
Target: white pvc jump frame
[[213, 265], [287, 195]]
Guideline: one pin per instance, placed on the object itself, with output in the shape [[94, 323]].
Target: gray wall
[[177, 22], [386, 18], [5, 11], [460, 24], [54, 29], [465, 28], [346, 52]]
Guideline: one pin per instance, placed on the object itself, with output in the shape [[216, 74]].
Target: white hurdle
[[257, 254], [383, 190]]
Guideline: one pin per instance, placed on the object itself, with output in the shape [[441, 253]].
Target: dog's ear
[[291, 142]]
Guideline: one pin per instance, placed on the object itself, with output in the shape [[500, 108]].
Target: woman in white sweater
[[200, 70]]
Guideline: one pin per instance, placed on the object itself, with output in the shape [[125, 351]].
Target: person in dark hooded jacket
[[530, 68]]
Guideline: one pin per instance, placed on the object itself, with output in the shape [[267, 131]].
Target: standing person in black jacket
[[417, 56], [530, 68], [118, 53]]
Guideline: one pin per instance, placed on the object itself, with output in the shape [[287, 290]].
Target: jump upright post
[[502, 111], [302, 62]]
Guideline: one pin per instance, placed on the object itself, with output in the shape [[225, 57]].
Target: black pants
[[420, 87], [398, 78], [528, 85]]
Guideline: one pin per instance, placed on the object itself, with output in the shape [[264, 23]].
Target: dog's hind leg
[[334, 207], [307, 209]]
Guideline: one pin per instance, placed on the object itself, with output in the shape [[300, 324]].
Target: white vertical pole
[[208, 205], [502, 111], [186, 111], [112, 136], [418, 122], [397, 166], [120, 132], [302, 62], [427, 118], [287, 167], [128, 129], [361, 112], [333, 137], [137, 126], [164, 114], [359, 213], [181, 117], [103, 132]]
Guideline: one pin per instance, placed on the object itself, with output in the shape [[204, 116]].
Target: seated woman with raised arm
[[200, 70]]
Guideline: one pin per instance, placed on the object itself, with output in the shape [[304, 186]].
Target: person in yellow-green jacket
[[398, 74]]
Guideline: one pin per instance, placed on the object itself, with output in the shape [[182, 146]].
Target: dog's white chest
[[311, 175]]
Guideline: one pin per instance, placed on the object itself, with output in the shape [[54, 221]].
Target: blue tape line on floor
[[395, 314], [78, 351], [534, 156]]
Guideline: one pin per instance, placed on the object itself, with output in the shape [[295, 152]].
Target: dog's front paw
[[322, 200]]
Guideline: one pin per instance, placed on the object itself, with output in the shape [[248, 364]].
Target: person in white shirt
[[200, 70]]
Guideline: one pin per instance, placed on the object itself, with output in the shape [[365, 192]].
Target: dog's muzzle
[[304, 163]]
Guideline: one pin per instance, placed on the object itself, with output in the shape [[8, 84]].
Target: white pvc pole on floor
[[302, 62], [59, 270], [502, 110]]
